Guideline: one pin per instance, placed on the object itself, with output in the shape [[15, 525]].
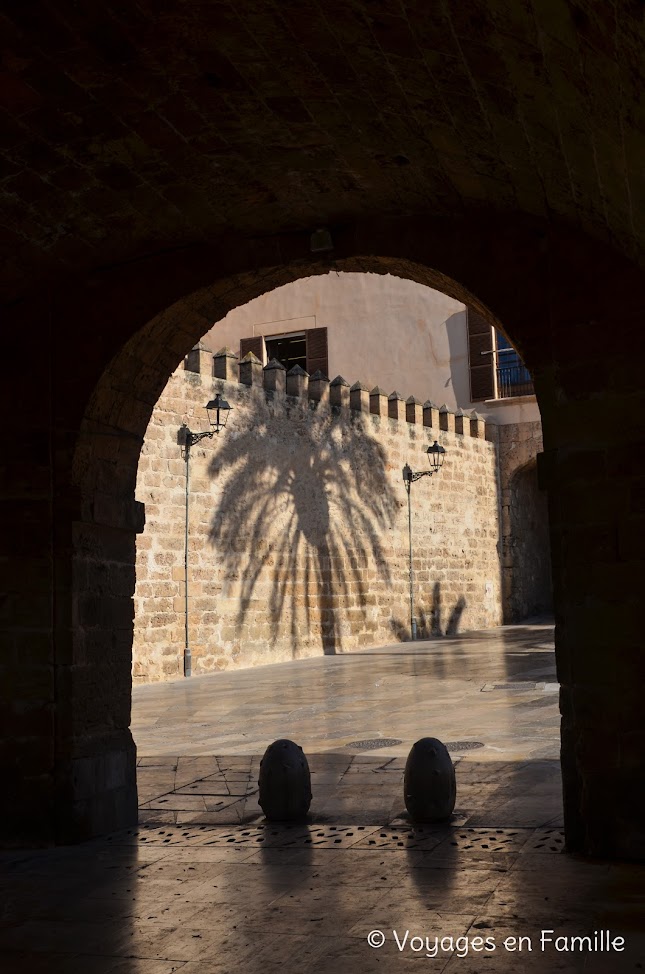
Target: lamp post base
[[188, 662]]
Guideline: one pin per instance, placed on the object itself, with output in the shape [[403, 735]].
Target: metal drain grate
[[281, 836], [463, 745], [425, 838], [545, 840], [508, 686], [419, 837], [487, 840], [374, 743], [161, 835]]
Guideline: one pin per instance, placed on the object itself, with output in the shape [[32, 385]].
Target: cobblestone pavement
[[205, 884]]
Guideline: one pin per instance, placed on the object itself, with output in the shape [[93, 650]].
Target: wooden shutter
[[317, 351], [480, 339], [255, 345]]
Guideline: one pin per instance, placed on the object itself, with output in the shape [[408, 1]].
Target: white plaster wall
[[519, 410], [382, 330]]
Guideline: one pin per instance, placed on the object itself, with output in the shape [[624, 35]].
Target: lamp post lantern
[[436, 455], [218, 412]]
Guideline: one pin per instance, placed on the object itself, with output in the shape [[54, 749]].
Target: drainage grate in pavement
[[159, 835], [274, 836], [463, 745], [545, 840], [464, 839], [487, 840], [337, 835], [361, 837], [416, 837], [508, 686], [373, 743]]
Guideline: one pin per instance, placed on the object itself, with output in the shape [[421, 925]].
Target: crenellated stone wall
[[298, 522]]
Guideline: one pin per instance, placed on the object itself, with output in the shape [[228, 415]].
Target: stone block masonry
[[526, 556], [298, 527]]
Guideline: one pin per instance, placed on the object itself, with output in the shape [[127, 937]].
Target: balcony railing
[[513, 380]]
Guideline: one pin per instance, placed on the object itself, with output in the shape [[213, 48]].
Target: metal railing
[[513, 380]]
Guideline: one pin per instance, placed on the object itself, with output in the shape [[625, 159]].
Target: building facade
[[389, 332]]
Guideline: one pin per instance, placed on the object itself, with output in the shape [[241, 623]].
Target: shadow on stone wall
[[295, 508], [430, 618], [528, 588]]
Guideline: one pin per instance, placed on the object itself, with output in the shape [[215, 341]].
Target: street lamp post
[[218, 411], [436, 456]]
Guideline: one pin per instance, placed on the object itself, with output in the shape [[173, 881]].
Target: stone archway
[[527, 553], [527, 587], [99, 421]]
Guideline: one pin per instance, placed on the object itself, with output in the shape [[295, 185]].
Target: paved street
[[206, 885]]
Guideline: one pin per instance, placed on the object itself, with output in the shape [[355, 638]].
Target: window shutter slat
[[317, 351], [255, 345], [480, 339]]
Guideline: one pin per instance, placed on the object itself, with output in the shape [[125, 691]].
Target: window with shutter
[[255, 345], [317, 351], [288, 349], [480, 357]]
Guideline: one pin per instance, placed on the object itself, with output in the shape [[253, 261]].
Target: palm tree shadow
[[307, 509], [440, 664], [429, 620], [452, 627]]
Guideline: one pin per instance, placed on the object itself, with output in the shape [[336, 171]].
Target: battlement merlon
[[298, 384]]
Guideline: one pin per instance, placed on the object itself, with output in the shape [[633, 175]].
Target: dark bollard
[[284, 782], [429, 785]]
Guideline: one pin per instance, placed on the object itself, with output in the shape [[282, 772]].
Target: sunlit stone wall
[[298, 521]]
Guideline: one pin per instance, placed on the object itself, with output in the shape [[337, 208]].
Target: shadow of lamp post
[[436, 456], [218, 411]]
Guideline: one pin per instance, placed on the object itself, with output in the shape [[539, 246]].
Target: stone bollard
[[284, 782], [429, 784]]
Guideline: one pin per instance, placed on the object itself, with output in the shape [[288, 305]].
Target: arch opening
[[97, 517], [328, 512], [298, 526]]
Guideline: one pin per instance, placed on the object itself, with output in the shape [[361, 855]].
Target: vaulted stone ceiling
[[132, 127]]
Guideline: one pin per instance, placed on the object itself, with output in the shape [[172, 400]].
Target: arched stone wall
[[525, 546], [528, 577], [558, 314]]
